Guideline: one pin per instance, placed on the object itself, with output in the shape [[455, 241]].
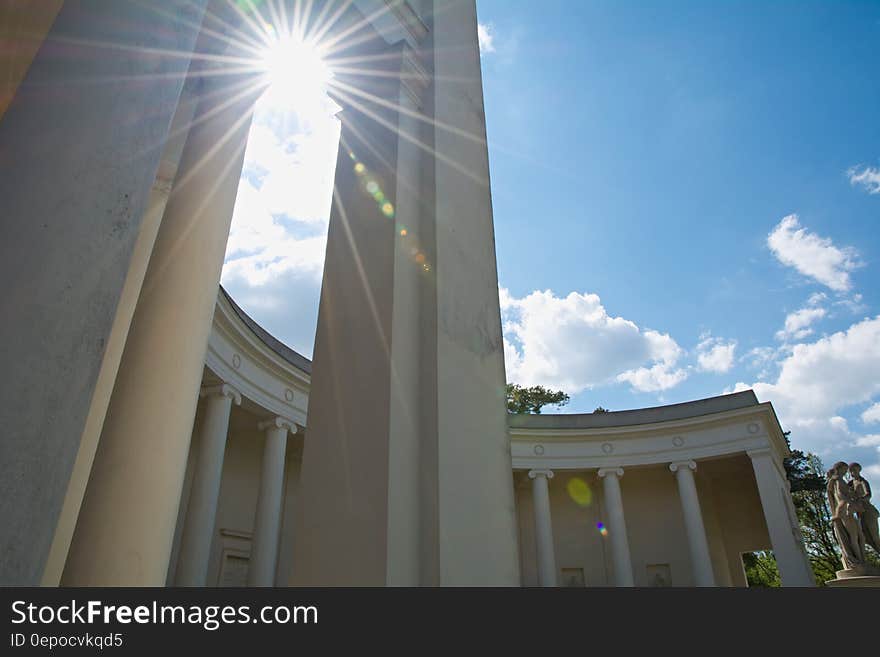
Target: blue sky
[[686, 200]]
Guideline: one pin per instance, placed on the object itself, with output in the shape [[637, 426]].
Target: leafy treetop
[[532, 400]]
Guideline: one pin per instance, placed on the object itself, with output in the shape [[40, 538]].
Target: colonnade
[[786, 544], [201, 512]]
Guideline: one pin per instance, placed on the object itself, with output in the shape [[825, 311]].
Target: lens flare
[[602, 529], [388, 209], [579, 491]]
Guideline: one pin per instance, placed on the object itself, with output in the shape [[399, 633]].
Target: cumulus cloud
[[715, 354], [798, 324], [818, 380], [261, 247], [486, 37], [871, 414], [867, 177], [572, 343], [661, 376], [811, 255]]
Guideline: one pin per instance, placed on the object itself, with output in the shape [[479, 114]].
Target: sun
[[296, 73]]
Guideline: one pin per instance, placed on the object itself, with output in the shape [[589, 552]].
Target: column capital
[[614, 472], [759, 453], [222, 390], [762, 455], [678, 465], [547, 474], [277, 422]]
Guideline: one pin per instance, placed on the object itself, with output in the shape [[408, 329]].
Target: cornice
[[762, 415], [725, 434], [241, 359]]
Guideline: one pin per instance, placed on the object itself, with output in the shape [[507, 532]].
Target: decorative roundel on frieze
[[539, 449], [288, 394], [236, 361], [678, 441], [753, 427], [607, 448]]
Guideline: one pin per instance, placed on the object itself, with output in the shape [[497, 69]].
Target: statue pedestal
[[858, 577]]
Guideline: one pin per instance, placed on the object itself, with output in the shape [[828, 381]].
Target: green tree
[[761, 569], [532, 400]]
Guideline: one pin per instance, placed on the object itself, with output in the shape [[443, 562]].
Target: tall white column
[[623, 575], [125, 529], [75, 179], [198, 528], [782, 525], [408, 359], [264, 552], [543, 527], [693, 522]]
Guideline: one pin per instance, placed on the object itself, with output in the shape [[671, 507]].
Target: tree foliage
[[761, 569], [532, 400]]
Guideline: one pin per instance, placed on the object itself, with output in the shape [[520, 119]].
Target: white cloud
[[293, 171], [871, 414], [853, 304], [762, 359], [715, 354], [572, 343], [818, 380], [486, 37], [868, 177], [661, 376], [812, 255], [797, 324]]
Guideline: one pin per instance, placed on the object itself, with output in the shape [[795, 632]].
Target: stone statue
[[846, 526], [866, 512]]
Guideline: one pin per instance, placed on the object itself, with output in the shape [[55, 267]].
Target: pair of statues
[[853, 517]]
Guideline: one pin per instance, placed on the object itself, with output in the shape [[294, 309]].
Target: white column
[[264, 551], [782, 525], [693, 522], [81, 142], [623, 575], [198, 528], [543, 526], [126, 525]]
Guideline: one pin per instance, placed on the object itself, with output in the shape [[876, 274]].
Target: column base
[[858, 581], [856, 577]]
